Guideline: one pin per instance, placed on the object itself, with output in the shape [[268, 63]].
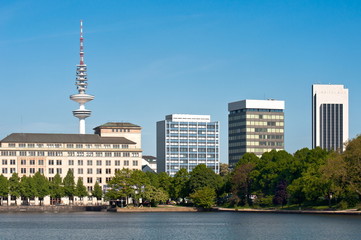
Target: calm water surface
[[178, 226]]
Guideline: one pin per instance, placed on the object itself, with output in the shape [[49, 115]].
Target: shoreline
[[251, 210], [162, 208]]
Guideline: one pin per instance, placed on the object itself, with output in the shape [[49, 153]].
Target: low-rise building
[[92, 157]]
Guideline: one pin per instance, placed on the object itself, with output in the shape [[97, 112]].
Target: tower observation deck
[[81, 82]]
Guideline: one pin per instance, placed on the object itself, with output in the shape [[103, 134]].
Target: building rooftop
[[117, 124], [62, 138]]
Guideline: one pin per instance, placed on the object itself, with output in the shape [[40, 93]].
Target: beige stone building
[[92, 157]]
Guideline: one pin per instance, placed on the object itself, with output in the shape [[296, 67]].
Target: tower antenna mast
[[82, 83]]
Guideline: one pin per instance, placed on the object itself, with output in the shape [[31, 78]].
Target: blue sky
[[147, 59]]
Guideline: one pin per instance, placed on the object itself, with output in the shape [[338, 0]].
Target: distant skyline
[[148, 59]]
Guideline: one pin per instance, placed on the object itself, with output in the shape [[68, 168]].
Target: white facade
[[185, 141], [329, 116]]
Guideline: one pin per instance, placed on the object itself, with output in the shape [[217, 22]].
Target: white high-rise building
[[329, 116], [184, 141]]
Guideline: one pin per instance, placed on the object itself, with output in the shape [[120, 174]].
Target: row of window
[[192, 155], [60, 170], [69, 154], [70, 162], [59, 145], [185, 149]]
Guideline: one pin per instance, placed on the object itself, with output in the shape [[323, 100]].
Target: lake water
[[212, 225]]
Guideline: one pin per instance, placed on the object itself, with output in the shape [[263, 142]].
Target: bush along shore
[[310, 180]]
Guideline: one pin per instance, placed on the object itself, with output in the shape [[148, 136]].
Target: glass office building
[[254, 126], [184, 141]]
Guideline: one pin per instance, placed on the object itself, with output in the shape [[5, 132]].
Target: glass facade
[[187, 144], [254, 130]]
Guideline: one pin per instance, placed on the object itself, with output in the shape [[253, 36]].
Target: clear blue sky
[[147, 59]]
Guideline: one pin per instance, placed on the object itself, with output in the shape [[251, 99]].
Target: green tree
[[155, 195], [138, 181], [42, 186], [223, 169], [179, 184], [164, 181], [201, 177], [56, 188], [80, 189], [4, 188], [241, 183], [14, 186], [204, 197], [153, 179], [97, 191], [27, 188], [69, 185], [120, 185]]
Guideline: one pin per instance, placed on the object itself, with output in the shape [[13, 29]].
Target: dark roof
[[149, 157], [63, 138], [118, 124], [146, 168]]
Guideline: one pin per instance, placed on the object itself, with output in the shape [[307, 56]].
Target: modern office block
[[254, 126], [329, 116], [184, 141]]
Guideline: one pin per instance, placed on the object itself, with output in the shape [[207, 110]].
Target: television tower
[[81, 82]]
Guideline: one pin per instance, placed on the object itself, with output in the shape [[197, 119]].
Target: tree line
[[30, 187], [307, 177]]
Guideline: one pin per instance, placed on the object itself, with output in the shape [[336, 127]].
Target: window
[[12, 170], [117, 154], [51, 170], [58, 162], [108, 163], [22, 153], [99, 171], [71, 162], [90, 188], [79, 146], [11, 144], [41, 153], [99, 162], [40, 162], [71, 154], [80, 171], [32, 153], [4, 170], [23, 170], [5, 162], [99, 179], [135, 162], [90, 162], [106, 145], [80, 154], [89, 154], [108, 179], [12, 161], [32, 162], [117, 162], [22, 145], [126, 154], [135, 154], [89, 180], [39, 145], [99, 154], [126, 162], [108, 154], [41, 170], [32, 170], [108, 171], [51, 162], [116, 146], [71, 169], [23, 162], [125, 146], [88, 145], [80, 162], [70, 145], [89, 171]]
